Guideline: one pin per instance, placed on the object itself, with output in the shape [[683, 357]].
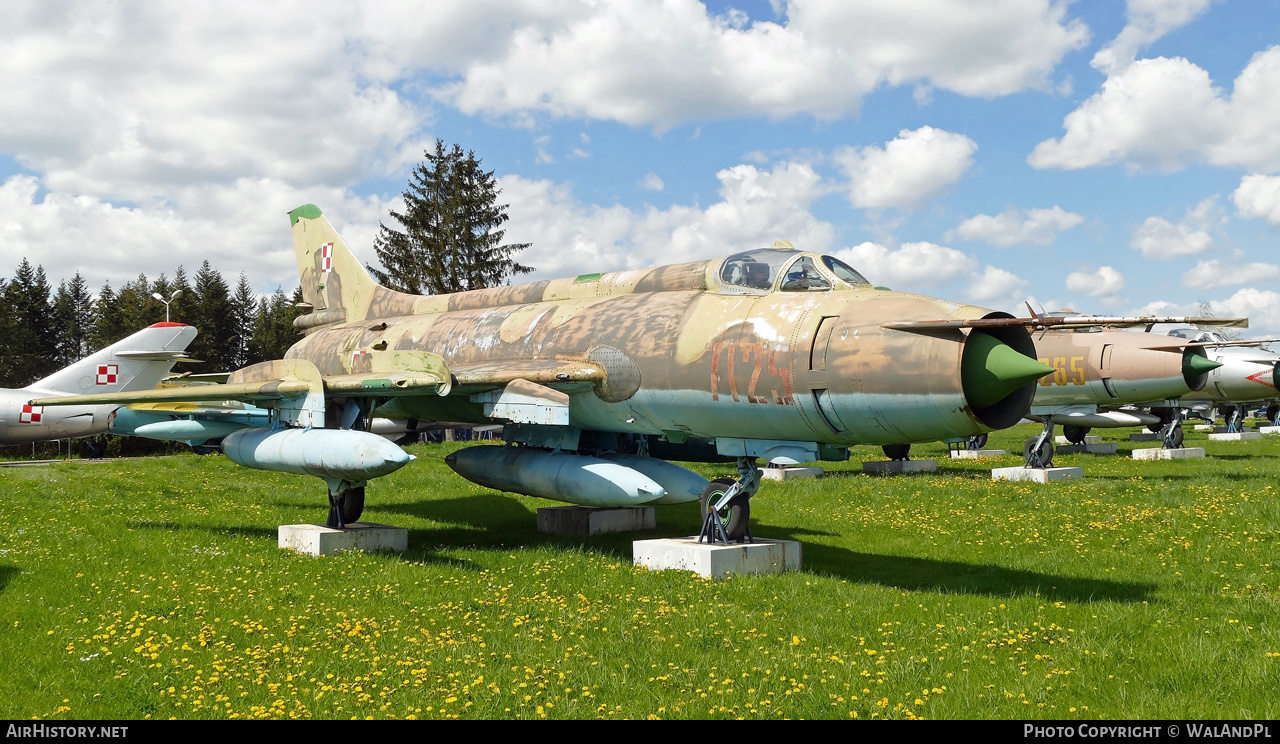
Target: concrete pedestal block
[[585, 521], [976, 454], [1168, 454], [1269, 429], [1088, 439], [1092, 448], [786, 474], [1144, 437], [1036, 475], [1203, 427], [717, 561], [1239, 436], [316, 539], [893, 467]]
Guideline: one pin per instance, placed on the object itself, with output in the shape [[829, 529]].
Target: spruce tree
[[244, 308], [72, 320], [449, 239], [108, 325], [8, 330], [211, 315], [31, 342]]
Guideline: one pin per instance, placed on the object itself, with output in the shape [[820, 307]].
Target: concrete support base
[[1036, 475], [585, 521], [1092, 448], [1269, 429], [976, 454], [316, 539], [717, 561], [893, 467], [1239, 436], [1144, 437], [1203, 427], [1223, 430], [786, 474], [1168, 454], [1088, 439]]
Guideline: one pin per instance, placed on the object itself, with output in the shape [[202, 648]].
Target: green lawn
[[155, 588]]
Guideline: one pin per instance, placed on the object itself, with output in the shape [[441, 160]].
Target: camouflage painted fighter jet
[[778, 354], [138, 362]]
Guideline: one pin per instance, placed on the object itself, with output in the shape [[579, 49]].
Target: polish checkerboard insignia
[[326, 257], [31, 414], [107, 374]]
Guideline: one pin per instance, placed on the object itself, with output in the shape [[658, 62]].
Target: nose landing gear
[[726, 505]]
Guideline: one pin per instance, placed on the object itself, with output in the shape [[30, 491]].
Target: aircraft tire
[[1075, 434], [980, 441], [1273, 412], [1175, 438], [353, 505], [735, 514], [1045, 456], [896, 451]]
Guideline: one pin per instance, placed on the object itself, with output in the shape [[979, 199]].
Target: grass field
[[155, 588]]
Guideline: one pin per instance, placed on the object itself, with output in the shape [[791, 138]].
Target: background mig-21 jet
[[778, 354]]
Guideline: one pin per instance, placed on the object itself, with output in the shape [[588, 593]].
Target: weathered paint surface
[[1109, 367], [667, 349]]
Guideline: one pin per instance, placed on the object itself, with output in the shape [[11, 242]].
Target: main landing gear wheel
[[353, 505], [976, 443], [733, 515], [1075, 434], [1038, 457], [1174, 438], [896, 451]]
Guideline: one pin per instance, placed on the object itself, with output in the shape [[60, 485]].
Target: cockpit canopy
[[1198, 336], [787, 271]]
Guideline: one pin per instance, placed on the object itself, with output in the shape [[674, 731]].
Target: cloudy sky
[[1102, 156]]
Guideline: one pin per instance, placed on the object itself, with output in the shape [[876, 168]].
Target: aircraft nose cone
[[991, 369], [1194, 365]]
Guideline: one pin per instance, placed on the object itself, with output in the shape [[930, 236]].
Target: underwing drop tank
[[576, 479], [332, 454], [681, 485]]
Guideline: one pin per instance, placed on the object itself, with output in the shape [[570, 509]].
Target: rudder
[[333, 280]]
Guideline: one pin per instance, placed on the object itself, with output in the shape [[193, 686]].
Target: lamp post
[[156, 295]]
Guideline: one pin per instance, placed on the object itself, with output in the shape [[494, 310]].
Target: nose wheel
[[1171, 432], [726, 505], [1038, 450]]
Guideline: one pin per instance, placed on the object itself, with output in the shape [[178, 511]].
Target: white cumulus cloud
[[1016, 227], [909, 267], [651, 182], [1163, 113], [1104, 282], [1258, 197], [995, 285], [909, 170], [1148, 20], [756, 207], [1214, 273], [1161, 240], [662, 63]]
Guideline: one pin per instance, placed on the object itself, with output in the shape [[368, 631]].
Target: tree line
[[45, 329]]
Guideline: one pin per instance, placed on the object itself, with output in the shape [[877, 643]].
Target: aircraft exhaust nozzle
[[560, 476], [325, 453], [990, 370], [1196, 366]]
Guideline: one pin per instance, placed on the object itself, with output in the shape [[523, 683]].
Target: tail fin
[[333, 280], [138, 362]]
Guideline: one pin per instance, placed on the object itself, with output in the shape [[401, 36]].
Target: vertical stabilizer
[[138, 362], [333, 280]]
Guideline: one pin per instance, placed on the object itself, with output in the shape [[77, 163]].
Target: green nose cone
[[991, 369], [1194, 365]]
